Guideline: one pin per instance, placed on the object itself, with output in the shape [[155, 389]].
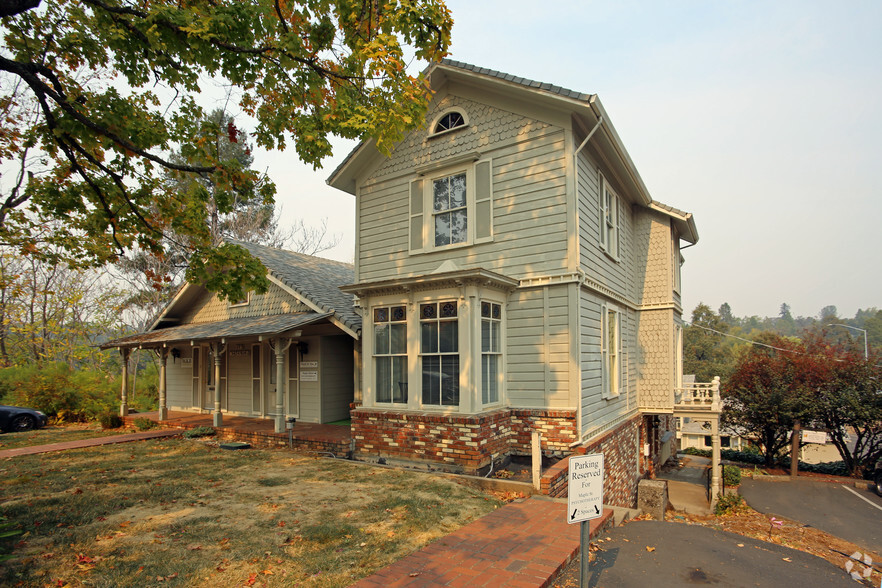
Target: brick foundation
[[461, 443]]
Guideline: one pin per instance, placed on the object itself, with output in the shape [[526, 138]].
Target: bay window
[[439, 353], [491, 354], [390, 354]]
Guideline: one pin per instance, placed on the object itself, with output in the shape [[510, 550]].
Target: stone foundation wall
[[464, 443]]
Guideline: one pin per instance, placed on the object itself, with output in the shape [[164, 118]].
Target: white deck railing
[[699, 396]]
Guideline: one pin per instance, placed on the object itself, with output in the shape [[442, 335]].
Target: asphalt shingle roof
[[236, 327], [526, 82], [315, 278]]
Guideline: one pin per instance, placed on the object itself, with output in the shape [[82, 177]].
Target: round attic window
[[449, 121]]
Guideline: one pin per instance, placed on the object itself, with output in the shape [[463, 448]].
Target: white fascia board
[[333, 318]]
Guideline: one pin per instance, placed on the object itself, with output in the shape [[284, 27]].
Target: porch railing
[[699, 396]]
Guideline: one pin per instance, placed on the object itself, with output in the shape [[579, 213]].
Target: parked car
[[16, 418]]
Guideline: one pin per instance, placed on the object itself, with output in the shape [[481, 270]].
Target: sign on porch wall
[[309, 376], [240, 352], [309, 364]]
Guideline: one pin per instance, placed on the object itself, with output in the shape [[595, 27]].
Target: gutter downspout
[[585, 142], [576, 188]]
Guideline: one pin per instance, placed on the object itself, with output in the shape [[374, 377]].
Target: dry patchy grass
[[177, 512]]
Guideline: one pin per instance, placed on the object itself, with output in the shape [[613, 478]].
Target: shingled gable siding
[[276, 301], [463, 443], [529, 185]]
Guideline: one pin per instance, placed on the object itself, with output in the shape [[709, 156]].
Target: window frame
[[478, 205], [610, 220], [401, 356], [441, 115], [438, 320], [611, 365], [238, 303], [497, 354]]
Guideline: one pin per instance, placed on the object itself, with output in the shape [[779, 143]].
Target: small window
[[244, 301], [611, 351], [449, 121], [609, 220]]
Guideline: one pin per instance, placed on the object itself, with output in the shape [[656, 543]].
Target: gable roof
[[315, 280], [587, 108]]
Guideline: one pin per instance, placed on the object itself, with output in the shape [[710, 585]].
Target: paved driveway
[[854, 514], [661, 555]]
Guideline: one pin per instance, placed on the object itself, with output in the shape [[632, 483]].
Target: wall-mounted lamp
[[175, 353], [303, 347]]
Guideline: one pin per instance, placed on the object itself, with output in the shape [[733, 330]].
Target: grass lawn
[[181, 512], [56, 434]]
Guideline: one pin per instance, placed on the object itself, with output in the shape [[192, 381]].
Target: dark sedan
[[16, 418]]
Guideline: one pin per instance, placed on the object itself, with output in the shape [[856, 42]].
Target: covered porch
[[335, 439]]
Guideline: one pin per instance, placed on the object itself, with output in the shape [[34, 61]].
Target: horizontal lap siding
[[598, 412], [538, 337], [617, 275], [337, 381], [529, 200]]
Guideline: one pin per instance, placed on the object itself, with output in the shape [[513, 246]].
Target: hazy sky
[[763, 119]]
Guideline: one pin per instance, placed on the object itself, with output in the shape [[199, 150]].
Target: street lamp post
[[866, 350]]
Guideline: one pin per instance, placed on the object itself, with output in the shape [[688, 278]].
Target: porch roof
[[227, 329]]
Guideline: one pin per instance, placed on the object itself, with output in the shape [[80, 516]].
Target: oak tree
[[96, 94]]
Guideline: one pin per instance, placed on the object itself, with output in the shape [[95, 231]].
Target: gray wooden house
[[227, 357], [515, 276]]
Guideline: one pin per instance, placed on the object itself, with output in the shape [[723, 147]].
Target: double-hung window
[[611, 350], [491, 354], [439, 353], [609, 220], [449, 213], [451, 207], [390, 354]]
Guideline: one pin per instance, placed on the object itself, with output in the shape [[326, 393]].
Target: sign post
[[584, 502]]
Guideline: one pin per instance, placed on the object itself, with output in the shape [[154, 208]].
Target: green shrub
[[731, 475], [144, 424], [201, 431], [110, 420], [730, 504], [73, 395]]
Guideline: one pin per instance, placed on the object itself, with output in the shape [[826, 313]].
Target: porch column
[[281, 345], [218, 420], [124, 402], [716, 472], [163, 385]]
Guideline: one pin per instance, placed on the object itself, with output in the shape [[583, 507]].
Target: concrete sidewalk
[[94, 442], [687, 489], [523, 544]]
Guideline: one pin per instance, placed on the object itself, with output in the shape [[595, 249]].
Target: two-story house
[[514, 276]]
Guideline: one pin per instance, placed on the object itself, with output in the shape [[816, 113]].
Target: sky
[[762, 119]]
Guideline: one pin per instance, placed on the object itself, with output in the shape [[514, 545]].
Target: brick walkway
[[523, 544], [89, 442]]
